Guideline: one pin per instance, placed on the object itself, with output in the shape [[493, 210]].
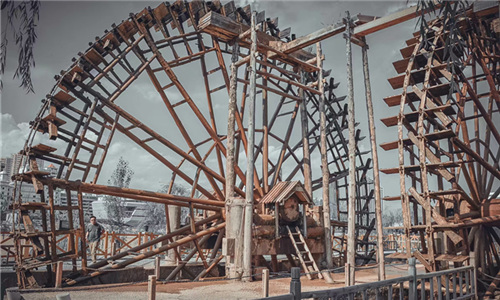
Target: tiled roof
[[284, 190]]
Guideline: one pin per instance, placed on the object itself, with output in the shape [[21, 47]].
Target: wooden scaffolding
[[83, 114]]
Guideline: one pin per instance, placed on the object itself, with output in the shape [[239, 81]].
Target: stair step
[[436, 90], [43, 148], [413, 116], [417, 76], [445, 134]]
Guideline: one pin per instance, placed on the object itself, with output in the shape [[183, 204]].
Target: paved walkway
[[210, 289]]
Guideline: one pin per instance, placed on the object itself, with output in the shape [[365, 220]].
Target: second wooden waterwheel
[[448, 142]]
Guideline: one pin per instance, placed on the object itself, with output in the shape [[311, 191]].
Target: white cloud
[[13, 135], [147, 92]]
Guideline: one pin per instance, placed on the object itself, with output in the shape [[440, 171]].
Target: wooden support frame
[[87, 98], [452, 138]]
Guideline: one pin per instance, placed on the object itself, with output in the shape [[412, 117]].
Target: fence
[[392, 242], [111, 243], [458, 283]]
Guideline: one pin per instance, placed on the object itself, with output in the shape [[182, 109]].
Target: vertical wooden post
[[412, 271], [157, 267], [151, 236], [72, 238], [306, 162], [59, 273], [351, 215], [151, 287], [247, 232], [46, 244], [139, 240], [265, 133], [277, 219], [106, 244], [233, 210], [347, 273], [376, 178], [295, 285], [83, 241], [265, 283], [53, 248], [304, 219], [174, 217], [53, 237], [474, 272], [324, 161]]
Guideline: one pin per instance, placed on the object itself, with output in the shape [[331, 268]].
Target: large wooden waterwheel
[[448, 143], [184, 49]]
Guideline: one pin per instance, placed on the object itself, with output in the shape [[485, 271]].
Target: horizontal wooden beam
[[310, 39], [359, 31], [387, 21], [118, 191]]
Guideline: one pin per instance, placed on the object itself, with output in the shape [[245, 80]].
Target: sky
[[66, 27]]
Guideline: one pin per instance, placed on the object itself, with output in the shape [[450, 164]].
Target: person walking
[[93, 236]]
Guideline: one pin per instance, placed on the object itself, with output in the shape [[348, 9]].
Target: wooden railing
[[6, 247], [458, 283], [392, 242], [110, 244]]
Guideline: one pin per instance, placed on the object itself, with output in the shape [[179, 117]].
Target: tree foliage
[[155, 215], [392, 218], [115, 209], [22, 19]]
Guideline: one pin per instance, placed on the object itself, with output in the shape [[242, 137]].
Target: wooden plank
[[37, 184], [127, 29], [311, 38], [388, 21], [59, 274], [423, 260], [94, 57], [28, 224], [43, 148], [452, 258], [151, 287], [417, 76], [62, 98], [285, 33], [52, 130], [160, 12], [436, 91]]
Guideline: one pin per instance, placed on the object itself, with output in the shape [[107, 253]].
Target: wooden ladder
[[303, 252]]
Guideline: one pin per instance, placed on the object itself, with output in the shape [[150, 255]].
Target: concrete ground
[[211, 289]]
